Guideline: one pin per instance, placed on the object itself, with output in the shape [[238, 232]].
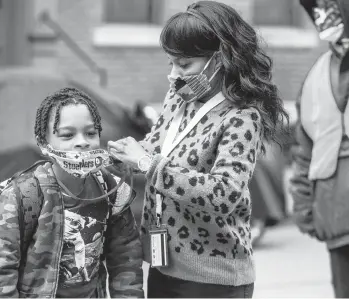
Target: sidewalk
[[289, 265]]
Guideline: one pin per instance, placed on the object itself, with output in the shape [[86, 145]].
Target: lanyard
[[171, 141]]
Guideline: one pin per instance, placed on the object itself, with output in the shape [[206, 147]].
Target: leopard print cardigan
[[204, 181]]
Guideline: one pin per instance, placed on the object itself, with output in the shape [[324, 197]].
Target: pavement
[[289, 265]]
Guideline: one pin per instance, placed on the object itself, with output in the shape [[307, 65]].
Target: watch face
[[144, 163]]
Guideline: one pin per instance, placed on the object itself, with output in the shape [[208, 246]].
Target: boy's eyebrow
[[66, 128], [73, 128]]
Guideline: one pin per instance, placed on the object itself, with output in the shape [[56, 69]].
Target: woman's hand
[[128, 150]]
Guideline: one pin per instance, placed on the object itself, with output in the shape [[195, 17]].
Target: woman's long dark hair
[[208, 27]]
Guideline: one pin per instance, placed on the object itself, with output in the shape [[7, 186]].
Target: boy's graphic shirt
[[84, 225]]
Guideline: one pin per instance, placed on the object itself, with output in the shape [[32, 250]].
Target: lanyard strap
[[170, 142], [158, 209], [106, 195]]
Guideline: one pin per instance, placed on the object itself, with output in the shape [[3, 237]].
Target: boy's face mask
[[193, 87], [328, 20], [79, 164]]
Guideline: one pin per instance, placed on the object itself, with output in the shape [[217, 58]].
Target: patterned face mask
[[79, 164], [328, 20], [193, 87]]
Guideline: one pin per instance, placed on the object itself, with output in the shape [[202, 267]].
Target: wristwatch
[[144, 163]]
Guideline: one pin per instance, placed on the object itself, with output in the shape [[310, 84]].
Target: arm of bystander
[[301, 188]]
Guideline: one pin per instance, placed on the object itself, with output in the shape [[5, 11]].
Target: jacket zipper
[[60, 247]]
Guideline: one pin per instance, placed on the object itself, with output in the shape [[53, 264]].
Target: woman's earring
[[218, 62]]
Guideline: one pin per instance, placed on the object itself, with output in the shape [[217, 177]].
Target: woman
[[199, 157]]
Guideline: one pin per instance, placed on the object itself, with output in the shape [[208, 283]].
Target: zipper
[[60, 246]]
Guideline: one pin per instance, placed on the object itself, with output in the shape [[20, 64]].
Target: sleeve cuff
[[154, 163]]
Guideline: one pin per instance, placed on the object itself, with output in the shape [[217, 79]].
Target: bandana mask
[[79, 164], [328, 20], [193, 87]]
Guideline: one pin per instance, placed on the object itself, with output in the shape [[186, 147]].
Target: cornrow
[[63, 97]]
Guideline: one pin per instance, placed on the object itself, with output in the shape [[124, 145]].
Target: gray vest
[[324, 123]]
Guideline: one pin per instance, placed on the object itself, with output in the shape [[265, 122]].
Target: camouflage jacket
[[36, 273]]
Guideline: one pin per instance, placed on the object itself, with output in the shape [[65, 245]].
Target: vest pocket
[[331, 205]]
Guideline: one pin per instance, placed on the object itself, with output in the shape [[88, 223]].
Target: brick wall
[[133, 74], [141, 73], [242, 6], [78, 18], [291, 67]]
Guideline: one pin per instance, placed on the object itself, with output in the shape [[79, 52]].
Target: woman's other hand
[[128, 150]]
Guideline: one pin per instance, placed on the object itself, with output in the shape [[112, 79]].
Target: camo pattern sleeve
[[122, 196], [9, 243], [124, 256], [3, 185]]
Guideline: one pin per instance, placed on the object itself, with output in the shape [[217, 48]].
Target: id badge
[[158, 246]]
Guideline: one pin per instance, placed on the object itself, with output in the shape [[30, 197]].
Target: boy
[[75, 230]]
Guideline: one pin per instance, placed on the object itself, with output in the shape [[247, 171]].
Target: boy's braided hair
[[63, 97]]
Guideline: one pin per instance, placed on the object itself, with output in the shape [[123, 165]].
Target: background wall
[[139, 72]]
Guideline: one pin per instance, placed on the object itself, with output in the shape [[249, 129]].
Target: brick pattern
[[291, 67], [141, 73], [242, 6]]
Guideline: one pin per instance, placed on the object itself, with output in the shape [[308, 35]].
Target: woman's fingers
[[127, 150], [114, 152], [110, 144], [118, 156], [117, 146]]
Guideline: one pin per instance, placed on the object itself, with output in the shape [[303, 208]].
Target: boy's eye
[[66, 135], [92, 133]]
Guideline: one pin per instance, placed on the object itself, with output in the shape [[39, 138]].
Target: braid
[[95, 115], [57, 100], [58, 110], [93, 110], [38, 124]]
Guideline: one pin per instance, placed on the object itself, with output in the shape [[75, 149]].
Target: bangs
[[186, 36]]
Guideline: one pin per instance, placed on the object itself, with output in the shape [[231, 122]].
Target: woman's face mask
[[328, 20], [193, 87], [78, 164]]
